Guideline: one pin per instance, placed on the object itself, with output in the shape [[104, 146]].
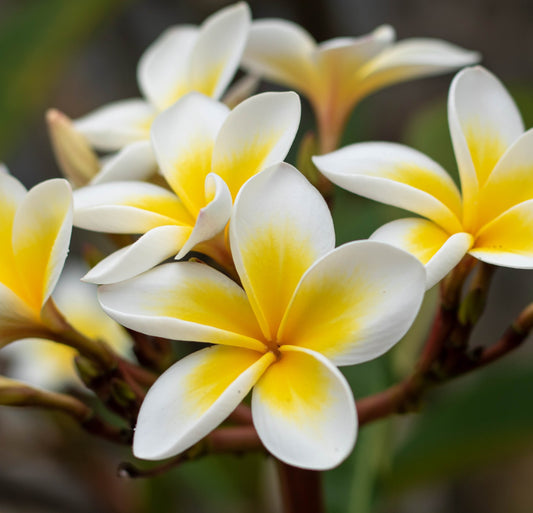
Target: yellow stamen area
[[326, 313], [246, 161], [486, 147], [190, 170], [275, 259], [209, 380], [296, 387]]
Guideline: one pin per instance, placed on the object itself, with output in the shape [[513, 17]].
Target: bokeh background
[[471, 448]]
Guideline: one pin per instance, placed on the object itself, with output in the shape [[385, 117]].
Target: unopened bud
[[87, 369], [76, 159]]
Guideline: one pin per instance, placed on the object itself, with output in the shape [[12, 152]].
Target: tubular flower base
[[304, 308], [493, 218], [336, 74], [205, 153]]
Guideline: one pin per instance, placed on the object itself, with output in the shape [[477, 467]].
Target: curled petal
[[304, 411], [256, 134], [281, 51], [41, 237], [355, 303], [183, 137], [184, 301], [508, 239], [435, 248], [193, 397], [150, 249], [395, 175], [135, 161], [113, 126], [213, 218], [280, 226]]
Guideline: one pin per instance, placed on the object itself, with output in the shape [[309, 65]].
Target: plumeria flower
[[338, 73], [183, 59], [49, 365], [34, 238], [493, 217], [206, 153], [304, 308]]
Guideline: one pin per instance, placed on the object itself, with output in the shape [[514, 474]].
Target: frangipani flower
[[493, 217], [336, 74], [304, 308], [183, 59], [50, 365], [206, 153], [34, 237]]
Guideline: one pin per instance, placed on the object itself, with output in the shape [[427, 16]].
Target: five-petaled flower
[[205, 153], [304, 307], [336, 74], [492, 219], [34, 237]]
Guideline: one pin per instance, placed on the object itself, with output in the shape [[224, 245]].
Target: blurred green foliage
[[36, 40]]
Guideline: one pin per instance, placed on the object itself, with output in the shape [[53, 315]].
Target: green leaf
[[35, 42]]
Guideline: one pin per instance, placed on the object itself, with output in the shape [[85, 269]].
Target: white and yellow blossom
[[304, 308], [205, 152], [183, 59], [50, 365], [34, 237], [338, 73], [492, 219]]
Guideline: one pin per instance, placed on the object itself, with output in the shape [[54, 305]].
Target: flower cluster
[[257, 276]]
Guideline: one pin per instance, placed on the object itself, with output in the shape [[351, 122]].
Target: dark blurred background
[[472, 448]]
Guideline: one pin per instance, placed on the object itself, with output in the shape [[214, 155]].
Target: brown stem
[[301, 489]]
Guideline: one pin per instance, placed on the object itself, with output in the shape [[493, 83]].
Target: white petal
[[183, 138], [193, 397], [279, 227], [41, 237], [135, 161], [435, 248], [163, 70], [127, 207], [212, 219], [151, 249], [355, 303], [218, 49], [396, 175], [113, 126], [303, 410], [184, 301], [281, 51], [256, 134], [484, 121]]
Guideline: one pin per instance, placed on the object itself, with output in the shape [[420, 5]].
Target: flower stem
[[301, 489]]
